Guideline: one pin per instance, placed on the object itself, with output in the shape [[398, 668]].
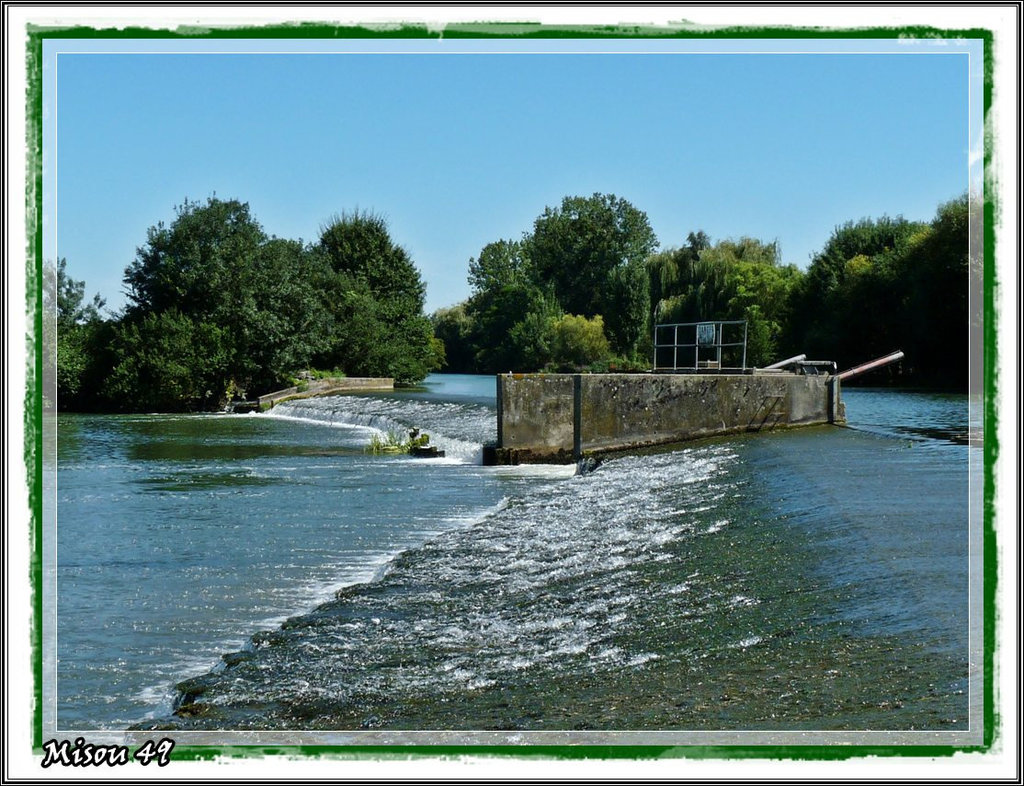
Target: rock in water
[[427, 451]]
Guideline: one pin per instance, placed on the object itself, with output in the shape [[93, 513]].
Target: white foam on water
[[749, 641], [642, 658]]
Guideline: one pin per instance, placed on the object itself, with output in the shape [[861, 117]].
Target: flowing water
[[266, 572]]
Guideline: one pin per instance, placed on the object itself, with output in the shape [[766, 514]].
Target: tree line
[[584, 289], [219, 310]]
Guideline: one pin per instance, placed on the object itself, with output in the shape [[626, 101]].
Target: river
[[265, 572]]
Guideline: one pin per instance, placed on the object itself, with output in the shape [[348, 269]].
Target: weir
[[327, 386], [560, 418]]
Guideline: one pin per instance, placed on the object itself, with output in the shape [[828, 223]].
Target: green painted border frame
[[522, 31]]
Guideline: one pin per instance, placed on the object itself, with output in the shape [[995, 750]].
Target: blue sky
[[460, 144]]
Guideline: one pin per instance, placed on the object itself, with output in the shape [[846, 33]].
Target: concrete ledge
[[556, 418], [326, 387]]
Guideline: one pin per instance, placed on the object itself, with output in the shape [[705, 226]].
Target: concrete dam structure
[[561, 418]]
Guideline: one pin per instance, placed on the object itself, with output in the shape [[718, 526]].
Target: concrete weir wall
[[326, 387], [561, 417]]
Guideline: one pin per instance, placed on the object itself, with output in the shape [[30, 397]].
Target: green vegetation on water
[[219, 311], [393, 442]]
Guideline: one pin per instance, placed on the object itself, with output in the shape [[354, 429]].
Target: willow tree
[[730, 280]]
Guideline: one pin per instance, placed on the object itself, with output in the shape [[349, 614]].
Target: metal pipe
[[744, 345], [787, 362], [852, 372]]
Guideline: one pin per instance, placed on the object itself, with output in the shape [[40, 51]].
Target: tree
[[214, 265], [376, 300], [204, 267], [575, 248], [168, 362], [936, 306], [830, 306], [500, 264], [198, 265], [360, 245], [577, 342], [281, 319], [77, 334], [509, 327], [627, 306], [669, 270], [453, 327], [730, 280], [761, 295], [68, 298]]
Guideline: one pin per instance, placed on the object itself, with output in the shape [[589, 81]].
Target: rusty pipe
[[883, 361]]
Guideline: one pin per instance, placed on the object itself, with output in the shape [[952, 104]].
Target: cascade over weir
[[691, 392]]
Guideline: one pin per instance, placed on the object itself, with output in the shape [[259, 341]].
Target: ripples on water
[[760, 582]]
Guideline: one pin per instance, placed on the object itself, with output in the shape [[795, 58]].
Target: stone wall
[[559, 417]]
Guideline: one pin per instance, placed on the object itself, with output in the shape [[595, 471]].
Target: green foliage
[[198, 265], [877, 285], [453, 328], [68, 298], [375, 296], [215, 265], [334, 373], [936, 313], [389, 442], [574, 248], [360, 246], [280, 321], [500, 264], [627, 308], [578, 342], [78, 335], [886, 284], [393, 442], [729, 280], [509, 326], [667, 269], [168, 362], [217, 309], [585, 257]]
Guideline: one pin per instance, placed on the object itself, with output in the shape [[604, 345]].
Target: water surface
[[266, 573]]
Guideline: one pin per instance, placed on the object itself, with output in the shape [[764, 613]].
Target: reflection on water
[[928, 417]]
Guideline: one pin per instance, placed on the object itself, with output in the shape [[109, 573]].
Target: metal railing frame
[[717, 345]]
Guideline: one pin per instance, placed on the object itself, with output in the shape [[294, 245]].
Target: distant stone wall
[[560, 417], [325, 387]]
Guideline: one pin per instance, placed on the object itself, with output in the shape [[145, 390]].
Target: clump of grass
[[393, 442], [389, 442]]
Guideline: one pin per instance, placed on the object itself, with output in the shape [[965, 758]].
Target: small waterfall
[[458, 428]]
